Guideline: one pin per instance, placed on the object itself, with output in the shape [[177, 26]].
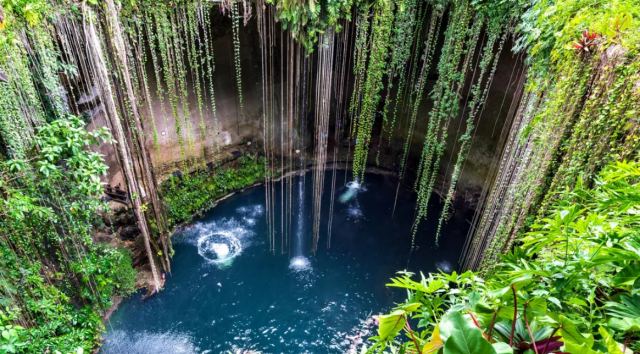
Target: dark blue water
[[257, 302]]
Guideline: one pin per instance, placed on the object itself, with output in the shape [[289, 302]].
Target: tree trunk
[[122, 149]]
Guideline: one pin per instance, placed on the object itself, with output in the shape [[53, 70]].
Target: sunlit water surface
[[229, 294]]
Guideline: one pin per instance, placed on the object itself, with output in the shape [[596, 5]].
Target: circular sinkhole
[[232, 290]]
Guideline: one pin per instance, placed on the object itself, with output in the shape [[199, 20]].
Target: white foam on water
[[118, 342], [249, 221], [222, 250], [350, 193], [251, 211], [220, 242], [444, 266], [219, 247], [353, 188], [353, 185], [299, 264]]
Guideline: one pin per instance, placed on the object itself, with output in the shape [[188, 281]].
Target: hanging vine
[[451, 68], [307, 21], [361, 54], [582, 59], [488, 63], [427, 59], [204, 21], [402, 40], [235, 20], [371, 87]]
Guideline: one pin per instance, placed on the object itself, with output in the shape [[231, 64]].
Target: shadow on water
[[228, 294]]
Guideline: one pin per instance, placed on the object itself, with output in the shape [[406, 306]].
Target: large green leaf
[[574, 341], [625, 313], [613, 347], [628, 275], [389, 325], [462, 337], [502, 348]]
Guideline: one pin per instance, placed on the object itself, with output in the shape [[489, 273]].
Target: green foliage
[[235, 20], [307, 20], [369, 91], [579, 110], [21, 12], [11, 340], [24, 88], [12, 337], [191, 194], [571, 284], [402, 39], [478, 93], [549, 28], [460, 44], [55, 280], [460, 335], [416, 97], [109, 270]]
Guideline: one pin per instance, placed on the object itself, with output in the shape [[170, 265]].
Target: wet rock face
[[614, 54], [119, 224], [200, 136], [128, 232], [235, 129]]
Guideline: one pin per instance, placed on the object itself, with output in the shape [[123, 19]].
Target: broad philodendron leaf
[[613, 347], [574, 341], [389, 325], [628, 275], [461, 336], [502, 348], [434, 344], [625, 313]]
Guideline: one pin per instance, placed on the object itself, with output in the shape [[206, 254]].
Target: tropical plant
[[571, 285], [56, 282], [190, 194], [307, 20]]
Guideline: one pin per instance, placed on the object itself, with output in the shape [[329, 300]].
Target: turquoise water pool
[[229, 294]]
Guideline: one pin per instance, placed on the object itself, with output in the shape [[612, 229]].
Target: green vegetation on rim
[[188, 195], [56, 282], [571, 285]]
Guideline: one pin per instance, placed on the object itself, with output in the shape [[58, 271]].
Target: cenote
[[229, 294], [322, 176]]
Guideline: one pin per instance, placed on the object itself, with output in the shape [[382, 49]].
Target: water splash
[[219, 248], [149, 342], [353, 187], [444, 266], [220, 242], [299, 264]]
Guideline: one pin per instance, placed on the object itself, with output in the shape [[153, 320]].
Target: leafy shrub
[[188, 195], [571, 285], [55, 282]]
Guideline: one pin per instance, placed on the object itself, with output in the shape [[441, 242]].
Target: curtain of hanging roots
[[323, 94]]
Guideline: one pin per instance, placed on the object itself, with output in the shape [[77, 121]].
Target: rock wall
[[237, 130]]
